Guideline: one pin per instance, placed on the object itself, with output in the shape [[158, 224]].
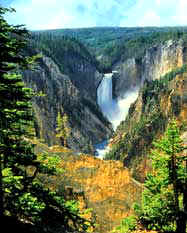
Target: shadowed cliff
[[66, 79]]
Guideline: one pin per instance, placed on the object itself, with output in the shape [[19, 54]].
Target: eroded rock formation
[[74, 95]]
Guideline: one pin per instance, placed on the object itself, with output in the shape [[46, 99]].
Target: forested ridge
[[106, 46], [59, 47]]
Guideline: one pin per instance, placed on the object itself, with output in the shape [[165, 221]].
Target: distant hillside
[[98, 37], [58, 46], [110, 41]]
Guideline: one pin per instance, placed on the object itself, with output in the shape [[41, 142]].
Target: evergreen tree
[[63, 130], [164, 202], [21, 194], [15, 113]]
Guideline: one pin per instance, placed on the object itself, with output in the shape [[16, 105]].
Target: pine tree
[[15, 112], [22, 195], [63, 130], [164, 202]]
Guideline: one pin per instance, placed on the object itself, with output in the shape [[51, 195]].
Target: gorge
[[96, 101], [93, 129], [70, 78]]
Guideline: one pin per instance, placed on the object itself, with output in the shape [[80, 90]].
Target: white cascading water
[[114, 110], [104, 97]]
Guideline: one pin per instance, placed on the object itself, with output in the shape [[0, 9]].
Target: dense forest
[[105, 46], [59, 47]]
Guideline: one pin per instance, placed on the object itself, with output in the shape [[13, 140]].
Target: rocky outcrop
[[127, 76], [158, 102], [84, 76], [161, 59], [162, 97], [107, 187], [156, 62], [73, 94], [104, 187]]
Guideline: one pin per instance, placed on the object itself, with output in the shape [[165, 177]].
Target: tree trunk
[[174, 178], [181, 222], [184, 201], [1, 191]]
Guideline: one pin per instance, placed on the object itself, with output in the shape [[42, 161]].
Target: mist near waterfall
[[114, 110], [122, 107]]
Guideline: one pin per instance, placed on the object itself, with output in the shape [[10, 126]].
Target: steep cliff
[[73, 94], [154, 63], [158, 102], [161, 74]]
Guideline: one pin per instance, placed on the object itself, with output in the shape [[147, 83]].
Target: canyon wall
[[71, 88], [156, 62], [73, 94], [160, 99]]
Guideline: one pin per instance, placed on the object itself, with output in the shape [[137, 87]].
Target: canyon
[[124, 107]]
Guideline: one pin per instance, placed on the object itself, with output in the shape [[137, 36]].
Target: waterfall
[[104, 97], [114, 110], [104, 91]]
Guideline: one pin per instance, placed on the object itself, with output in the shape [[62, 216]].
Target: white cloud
[[45, 14], [150, 18], [41, 14], [156, 13], [63, 20], [181, 16], [158, 2]]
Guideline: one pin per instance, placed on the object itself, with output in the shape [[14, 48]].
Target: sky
[[53, 14]]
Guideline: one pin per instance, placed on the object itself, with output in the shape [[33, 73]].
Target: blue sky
[[51, 14]]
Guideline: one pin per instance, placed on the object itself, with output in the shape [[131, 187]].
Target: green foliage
[[136, 46], [50, 164], [10, 181], [163, 201], [28, 204], [73, 206], [155, 86], [63, 130], [110, 44], [143, 132], [22, 192], [127, 225]]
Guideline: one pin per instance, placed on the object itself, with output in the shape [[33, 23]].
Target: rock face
[[83, 74], [160, 60], [128, 76], [147, 120], [73, 94], [71, 88], [107, 186], [156, 62], [104, 186], [158, 102]]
